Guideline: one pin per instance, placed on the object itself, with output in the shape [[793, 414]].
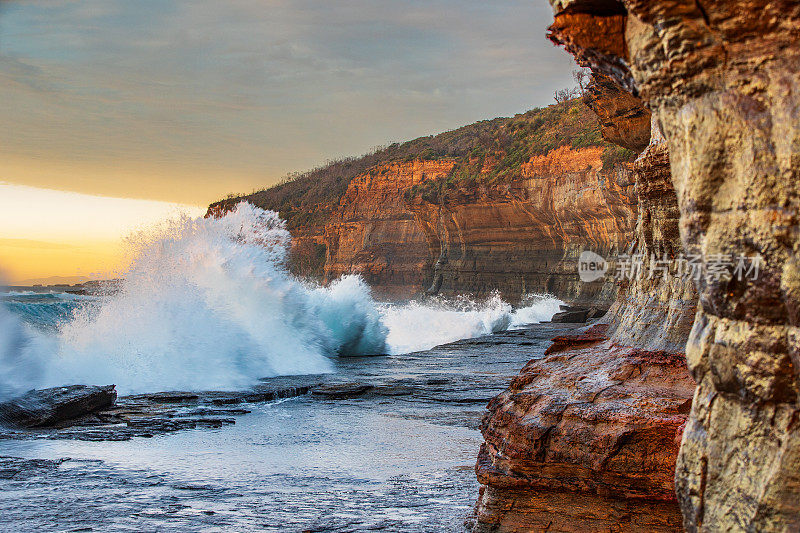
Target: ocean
[[208, 305]]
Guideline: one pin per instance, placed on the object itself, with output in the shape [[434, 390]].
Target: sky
[[185, 101]]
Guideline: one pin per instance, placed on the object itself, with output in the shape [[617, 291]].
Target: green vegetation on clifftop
[[503, 145]]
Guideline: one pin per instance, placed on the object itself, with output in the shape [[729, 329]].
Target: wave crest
[[208, 303]]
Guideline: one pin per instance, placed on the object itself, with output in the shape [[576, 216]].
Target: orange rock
[[585, 440]]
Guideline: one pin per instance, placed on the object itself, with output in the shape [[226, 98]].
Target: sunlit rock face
[[375, 234], [504, 205], [525, 236], [586, 438], [518, 237], [722, 78]]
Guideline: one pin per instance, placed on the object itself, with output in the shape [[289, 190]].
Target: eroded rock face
[[722, 79], [581, 442], [376, 235], [516, 238], [526, 236], [585, 439], [655, 310], [623, 118]]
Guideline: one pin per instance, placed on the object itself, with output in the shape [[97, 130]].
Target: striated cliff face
[[655, 310], [721, 78], [586, 438], [505, 205], [517, 237], [526, 235], [375, 234]]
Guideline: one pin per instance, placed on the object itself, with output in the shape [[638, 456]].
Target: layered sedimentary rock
[[505, 205], [520, 237], [655, 308], [526, 235], [722, 79], [586, 438], [376, 235], [623, 118]]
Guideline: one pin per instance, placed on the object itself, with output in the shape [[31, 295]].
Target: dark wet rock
[[207, 411], [139, 415], [49, 407], [578, 315], [173, 397], [596, 312], [571, 317], [340, 391], [399, 387]]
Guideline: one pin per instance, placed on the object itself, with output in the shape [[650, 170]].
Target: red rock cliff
[[375, 234], [525, 235], [722, 79], [505, 205], [586, 438]]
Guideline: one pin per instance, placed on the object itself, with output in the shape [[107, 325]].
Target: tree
[[564, 95], [582, 77]]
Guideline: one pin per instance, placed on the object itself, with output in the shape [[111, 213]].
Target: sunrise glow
[[81, 236]]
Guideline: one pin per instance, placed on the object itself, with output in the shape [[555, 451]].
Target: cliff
[[721, 79], [504, 205], [586, 438], [374, 233], [526, 235]]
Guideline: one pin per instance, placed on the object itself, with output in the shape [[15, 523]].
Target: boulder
[[571, 317], [49, 407]]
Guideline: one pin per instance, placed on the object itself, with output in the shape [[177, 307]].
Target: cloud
[[243, 91]]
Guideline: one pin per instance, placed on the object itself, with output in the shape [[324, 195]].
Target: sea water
[[208, 304]]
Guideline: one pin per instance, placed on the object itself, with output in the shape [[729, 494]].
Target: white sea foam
[[208, 304], [22, 365], [419, 326], [535, 308]]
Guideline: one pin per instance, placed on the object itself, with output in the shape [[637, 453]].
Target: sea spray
[[22, 365], [421, 325], [208, 304], [535, 308]]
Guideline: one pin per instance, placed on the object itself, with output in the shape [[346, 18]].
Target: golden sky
[[80, 235], [185, 101]]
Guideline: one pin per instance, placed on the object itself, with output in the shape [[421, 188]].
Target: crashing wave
[[209, 304]]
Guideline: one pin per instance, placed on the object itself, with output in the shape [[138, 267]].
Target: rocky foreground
[[85, 412], [384, 444], [585, 439], [95, 413]]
